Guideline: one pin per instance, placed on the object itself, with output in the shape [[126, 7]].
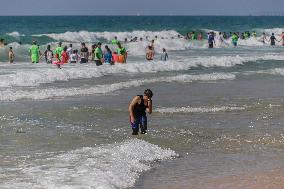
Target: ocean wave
[[108, 166], [11, 94], [34, 75], [86, 36]]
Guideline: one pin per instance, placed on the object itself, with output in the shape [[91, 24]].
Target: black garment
[[140, 109], [84, 55], [98, 62], [272, 39], [140, 117]]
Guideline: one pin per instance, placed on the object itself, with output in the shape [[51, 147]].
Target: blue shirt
[[108, 57]]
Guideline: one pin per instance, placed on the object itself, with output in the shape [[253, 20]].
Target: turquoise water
[[29, 26]]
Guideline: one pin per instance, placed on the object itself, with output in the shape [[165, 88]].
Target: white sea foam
[[276, 71], [43, 73], [189, 109], [86, 36], [273, 71], [11, 94], [135, 48], [15, 34], [105, 167]]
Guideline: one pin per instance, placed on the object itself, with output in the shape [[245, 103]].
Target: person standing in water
[[137, 111], [235, 39], [34, 52], [272, 40], [282, 38], [211, 40], [164, 55], [150, 53], [2, 43], [200, 37], [58, 51], [263, 38], [70, 50], [108, 56], [122, 51], [114, 41], [84, 54], [48, 54], [11, 55], [99, 55]]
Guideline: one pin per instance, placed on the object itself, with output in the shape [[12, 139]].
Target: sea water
[[217, 120]]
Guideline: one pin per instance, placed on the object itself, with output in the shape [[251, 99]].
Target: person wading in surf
[[137, 111]]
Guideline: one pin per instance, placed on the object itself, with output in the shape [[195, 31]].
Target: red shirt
[[65, 57]]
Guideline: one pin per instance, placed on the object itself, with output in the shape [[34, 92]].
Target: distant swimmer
[[34, 52], [150, 53], [11, 55], [200, 37], [74, 57], [92, 53], [272, 40], [235, 39], [48, 54], [282, 38], [137, 111], [211, 40], [84, 54], [65, 56], [70, 49], [134, 39], [108, 59], [2, 43], [254, 34], [193, 36], [122, 53], [114, 41], [164, 55], [99, 55], [263, 38], [58, 51], [220, 39]]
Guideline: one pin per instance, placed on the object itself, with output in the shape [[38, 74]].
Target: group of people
[[222, 37], [63, 55]]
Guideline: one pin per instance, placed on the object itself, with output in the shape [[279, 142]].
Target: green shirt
[[235, 38], [121, 51], [98, 53], [34, 51], [58, 51], [114, 42]]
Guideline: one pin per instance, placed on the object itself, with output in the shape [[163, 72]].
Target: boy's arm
[[131, 108], [149, 109]]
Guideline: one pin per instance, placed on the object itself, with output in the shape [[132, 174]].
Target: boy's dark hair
[[148, 93], [10, 48], [65, 48]]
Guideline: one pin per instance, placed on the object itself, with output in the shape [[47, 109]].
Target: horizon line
[[141, 15]]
